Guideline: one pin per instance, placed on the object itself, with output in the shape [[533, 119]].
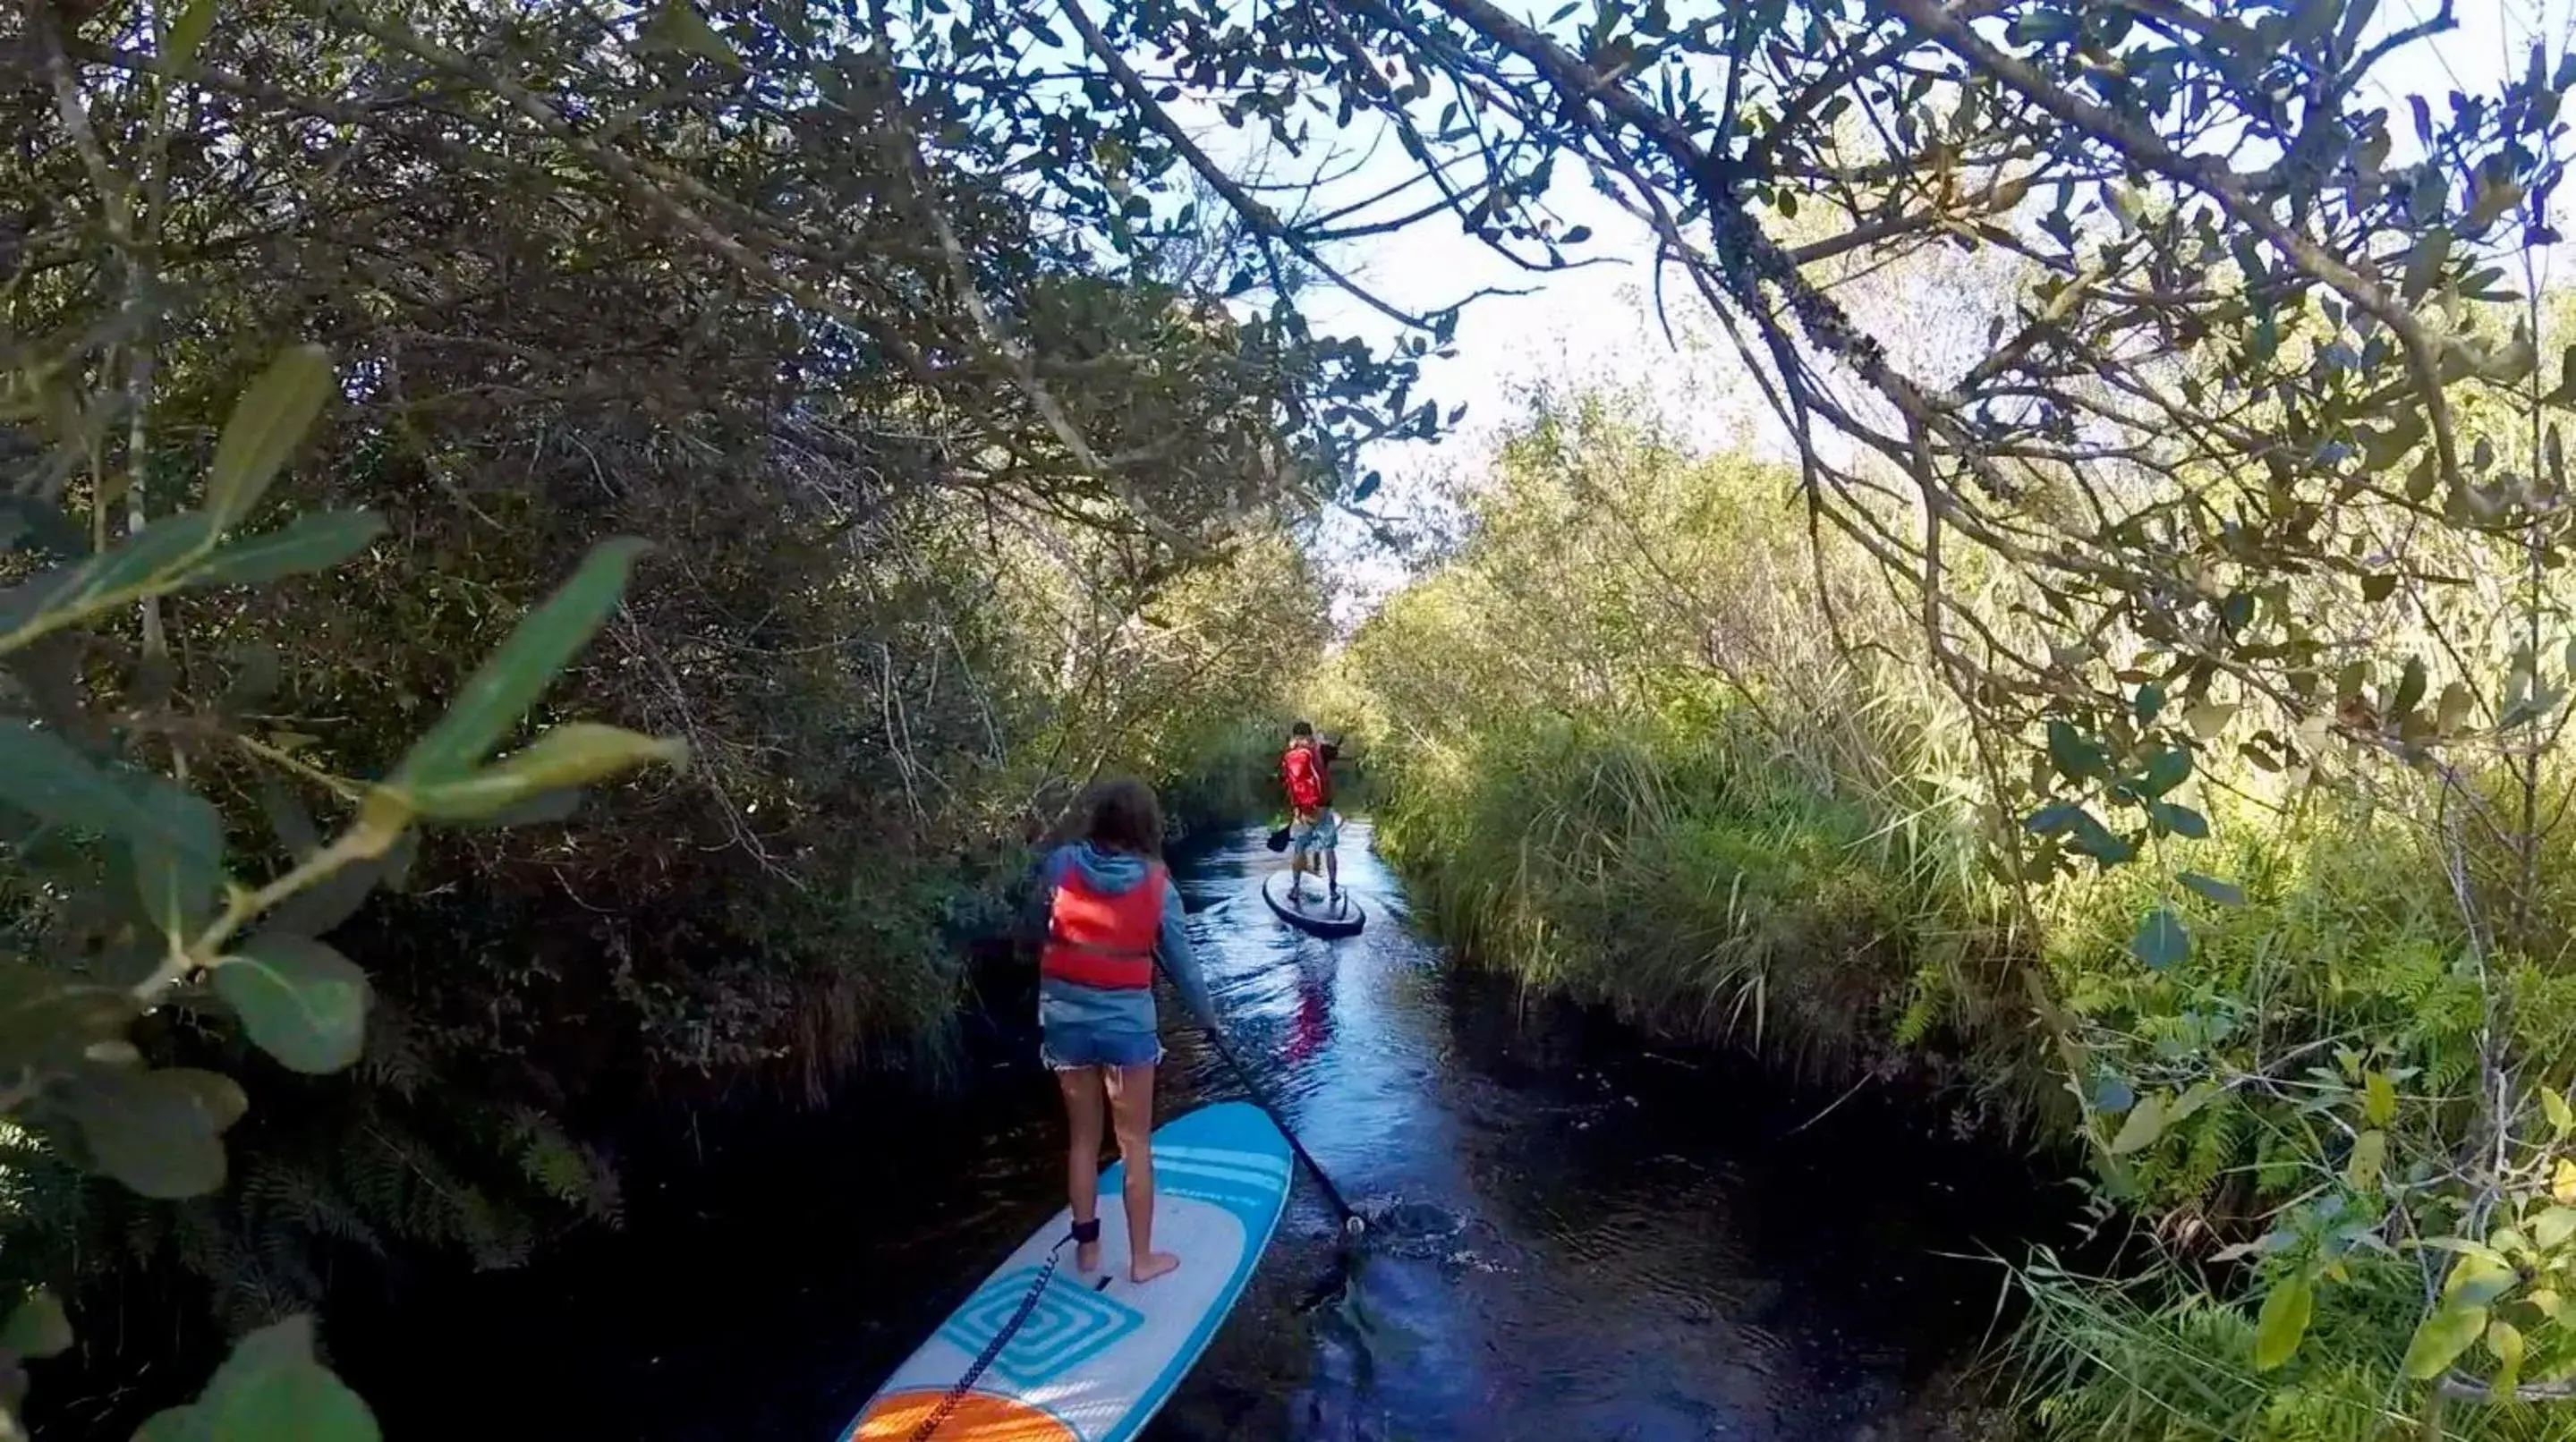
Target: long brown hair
[[1124, 816]]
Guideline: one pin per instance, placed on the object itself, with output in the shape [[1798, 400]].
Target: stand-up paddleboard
[[1099, 1355], [1341, 916]]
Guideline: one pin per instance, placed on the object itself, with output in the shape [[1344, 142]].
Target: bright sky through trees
[[1596, 321]]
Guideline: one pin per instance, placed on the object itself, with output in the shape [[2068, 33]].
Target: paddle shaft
[[1261, 1099]]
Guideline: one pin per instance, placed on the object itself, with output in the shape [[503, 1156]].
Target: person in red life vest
[[1313, 830], [1111, 913]]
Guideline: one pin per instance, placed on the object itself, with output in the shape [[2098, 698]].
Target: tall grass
[[1637, 748], [1687, 872]]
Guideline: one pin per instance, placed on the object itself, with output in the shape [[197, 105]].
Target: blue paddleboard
[[1099, 1355]]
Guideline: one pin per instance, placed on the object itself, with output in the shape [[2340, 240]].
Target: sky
[[1593, 324]]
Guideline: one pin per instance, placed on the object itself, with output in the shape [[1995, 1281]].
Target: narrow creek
[[1580, 1237]]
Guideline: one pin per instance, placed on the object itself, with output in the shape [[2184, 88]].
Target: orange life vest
[[1099, 940]]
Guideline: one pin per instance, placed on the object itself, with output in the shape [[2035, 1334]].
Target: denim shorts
[[1071, 1046]]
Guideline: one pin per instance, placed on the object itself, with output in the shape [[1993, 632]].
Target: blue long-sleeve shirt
[[1115, 873]]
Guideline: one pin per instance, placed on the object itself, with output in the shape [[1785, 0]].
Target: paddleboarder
[[1112, 911], [1305, 769]]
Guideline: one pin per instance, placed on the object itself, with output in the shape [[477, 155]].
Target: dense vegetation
[[892, 617], [1637, 740], [2139, 699]]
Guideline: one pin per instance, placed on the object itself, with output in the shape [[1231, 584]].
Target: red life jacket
[[1099, 940], [1304, 773]]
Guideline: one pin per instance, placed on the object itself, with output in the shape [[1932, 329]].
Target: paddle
[[1352, 1222], [1279, 839]]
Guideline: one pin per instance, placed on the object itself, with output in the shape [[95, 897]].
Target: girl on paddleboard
[[1112, 913]]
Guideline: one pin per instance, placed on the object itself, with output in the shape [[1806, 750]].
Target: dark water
[[1579, 1237]]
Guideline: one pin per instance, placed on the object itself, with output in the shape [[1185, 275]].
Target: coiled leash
[[1083, 1232]]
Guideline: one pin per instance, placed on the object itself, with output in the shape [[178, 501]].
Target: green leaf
[[2161, 939], [2410, 688], [271, 1389], [301, 1002], [2530, 708], [316, 541], [2483, 1254], [679, 26], [2424, 262], [288, 818], [2199, 1094], [2210, 887], [2479, 1280], [2554, 1105], [2378, 1099], [2453, 708], [2054, 818], [2180, 820], [501, 692], [38, 526], [2151, 702], [566, 756], [38, 1328], [319, 909], [41, 774], [50, 1022], [187, 33], [2144, 1124], [2369, 1155], [2505, 1340], [2551, 1229], [2421, 478], [2284, 1320], [2075, 755], [2489, 199], [2208, 718], [2440, 1340], [218, 1096], [2168, 769], [140, 565], [158, 1132], [267, 424], [175, 835], [2095, 840], [178, 869], [174, 1424]]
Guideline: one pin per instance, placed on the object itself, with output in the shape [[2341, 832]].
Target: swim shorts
[[1311, 835]]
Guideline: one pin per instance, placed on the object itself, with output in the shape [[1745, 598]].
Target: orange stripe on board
[[978, 1417]]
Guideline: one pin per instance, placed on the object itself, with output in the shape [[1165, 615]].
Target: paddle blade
[[1279, 839]]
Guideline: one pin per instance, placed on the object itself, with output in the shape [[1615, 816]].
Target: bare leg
[[1131, 1114], [1081, 1088], [1332, 873]]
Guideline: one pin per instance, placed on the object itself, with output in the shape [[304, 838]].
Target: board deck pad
[[1318, 916], [1100, 1355]]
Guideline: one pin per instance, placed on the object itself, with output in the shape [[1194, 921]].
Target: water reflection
[[1572, 1241]]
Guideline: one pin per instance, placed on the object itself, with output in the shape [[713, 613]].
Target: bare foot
[[1086, 1257], [1151, 1265]]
